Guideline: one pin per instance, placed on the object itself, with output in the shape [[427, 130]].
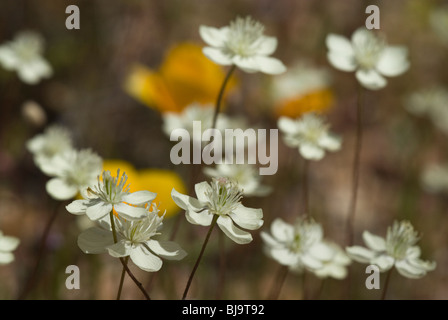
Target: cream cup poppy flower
[[112, 193], [367, 55], [397, 250], [134, 239], [7, 245], [221, 197], [310, 134], [243, 44]]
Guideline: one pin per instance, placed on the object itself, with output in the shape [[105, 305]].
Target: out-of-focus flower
[[301, 90], [7, 245], [246, 175], [431, 102], [243, 44], [221, 197], [310, 134], [160, 181], [72, 171], [397, 249], [112, 193], [134, 239], [34, 114], [54, 140], [184, 77], [24, 55], [369, 56], [438, 20], [435, 178], [300, 246]]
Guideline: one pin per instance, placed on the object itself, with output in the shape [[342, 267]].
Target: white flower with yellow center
[[112, 193], [7, 245], [369, 56], [310, 134], [72, 171], [300, 246], [222, 197], [24, 55], [398, 249], [134, 239], [243, 44]]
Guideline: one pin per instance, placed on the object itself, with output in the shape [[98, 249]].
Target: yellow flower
[[318, 101], [185, 76], [159, 181]]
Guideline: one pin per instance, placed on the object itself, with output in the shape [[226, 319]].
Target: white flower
[[246, 175], [112, 193], [301, 246], [435, 178], [398, 249], [53, 141], [243, 44], [24, 55], [222, 197], [369, 56], [7, 245], [134, 239], [310, 134], [431, 102], [72, 171]]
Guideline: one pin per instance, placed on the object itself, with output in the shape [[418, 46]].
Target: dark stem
[[215, 217], [386, 284], [305, 187], [278, 283], [41, 252], [123, 273], [220, 95], [356, 168]]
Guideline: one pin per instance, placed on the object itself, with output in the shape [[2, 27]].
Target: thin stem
[[41, 252], [386, 284], [305, 187], [356, 168], [215, 217], [278, 283], [114, 234], [123, 273], [220, 95]]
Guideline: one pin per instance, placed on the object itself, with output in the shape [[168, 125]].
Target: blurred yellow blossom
[[184, 77], [160, 181]]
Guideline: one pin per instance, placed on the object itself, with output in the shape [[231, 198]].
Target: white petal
[[393, 61], [166, 249], [360, 254], [374, 242], [139, 197], [330, 142], [270, 65], [202, 218], [340, 45], [77, 207], [145, 260], [120, 249], [8, 58], [342, 62], [247, 218], [201, 190], [269, 240], [8, 243], [6, 257], [287, 125], [384, 262], [409, 271], [130, 212], [98, 210], [267, 45], [282, 231], [60, 190], [234, 233], [311, 262], [95, 240], [322, 251], [247, 64], [371, 79], [217, 56], [186, 202], [284, 256], [311, 152], [213, 36]]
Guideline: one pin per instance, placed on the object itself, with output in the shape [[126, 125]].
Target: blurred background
[[90, 94]]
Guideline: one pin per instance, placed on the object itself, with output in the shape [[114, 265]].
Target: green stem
[[215, 218], [114, 234], [123, 273], [220, 96]]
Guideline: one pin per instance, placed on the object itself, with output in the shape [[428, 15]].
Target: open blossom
[[134, 239], [369, 56], [222, 197], [300, 246], [246, 175], [72, 171], [112, 193], [243, 44], [24, 55], [7, 245], [397, 249], [310, 134], [53, 141]]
